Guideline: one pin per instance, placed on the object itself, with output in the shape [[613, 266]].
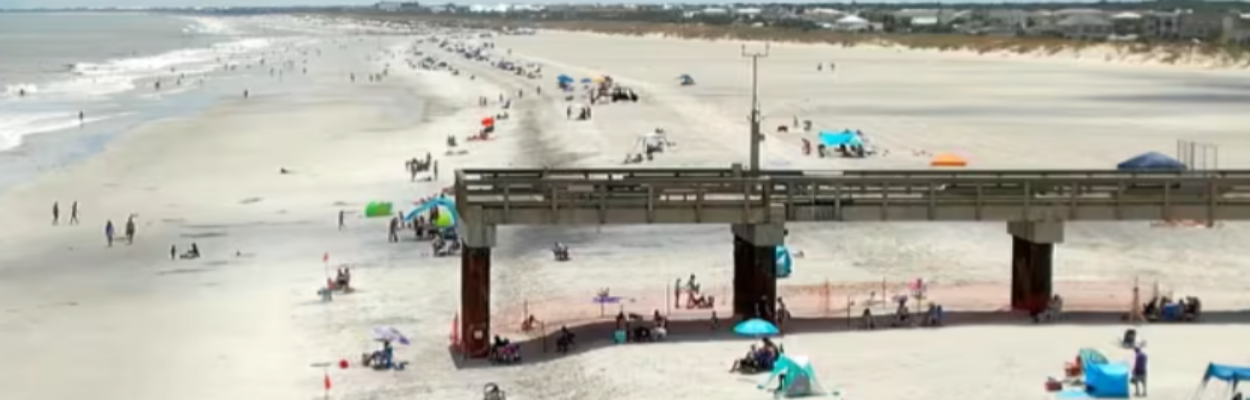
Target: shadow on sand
[[598, 334]]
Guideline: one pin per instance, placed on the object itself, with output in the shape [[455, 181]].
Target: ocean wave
[[96, 79], [14, 126]]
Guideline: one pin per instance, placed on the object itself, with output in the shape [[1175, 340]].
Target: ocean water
[[108, 67]]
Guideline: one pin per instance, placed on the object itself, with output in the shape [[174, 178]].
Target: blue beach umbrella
[[755, 328], [564, 79]]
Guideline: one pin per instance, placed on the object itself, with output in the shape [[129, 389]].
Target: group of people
[[382, 359], [110, 233], [415, 166], [632, 328], [903, 316], [191, 253], [695, 299], [1165, 308], [503, 351], [759, 359], [560, 251]]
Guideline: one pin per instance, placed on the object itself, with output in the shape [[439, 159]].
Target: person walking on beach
[[108, 232], [80, 117], [56, 213], [130, 230], [73, 213], [1139, 371], [393, 237], [677, 294], [341, 214], [434, 168]]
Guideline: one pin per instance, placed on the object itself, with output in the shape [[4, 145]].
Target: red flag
[[327, 382], [325, 257]]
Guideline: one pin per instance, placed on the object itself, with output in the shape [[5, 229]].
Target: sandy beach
[[79, 319]]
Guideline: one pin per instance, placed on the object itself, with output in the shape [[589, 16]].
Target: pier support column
[[475, 290], [755, 268], [1032, 271]]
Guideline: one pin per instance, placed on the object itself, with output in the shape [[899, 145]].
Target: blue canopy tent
[[835, 139], [1230, 374], [447, 218], [1151, 161]]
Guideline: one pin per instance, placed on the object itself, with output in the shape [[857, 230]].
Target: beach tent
[[447, 216], [1151, 161], [378, 209], [835, 139], [784, 262], [798, 377], [1231, 375], [1103, 379], [947, 160]]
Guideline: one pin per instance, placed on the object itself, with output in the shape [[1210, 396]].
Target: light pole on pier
[[756, 137]]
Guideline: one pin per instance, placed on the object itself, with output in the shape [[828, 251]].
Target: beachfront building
[[1082, 24], [1236, 29], [1084, 27], [1201, 26], [1127, 24], [1161, 25], [852, 23], [1009, 20], [389, 6]]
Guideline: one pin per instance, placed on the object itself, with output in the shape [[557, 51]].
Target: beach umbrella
[[564, 79], [603, 301], [389, 334], [755, 328], [586, 80], [488, 121]]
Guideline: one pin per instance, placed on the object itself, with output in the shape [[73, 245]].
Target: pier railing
[[673, 196]]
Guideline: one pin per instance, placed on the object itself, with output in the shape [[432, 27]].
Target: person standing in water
[[56, 213], [80, 117], [73, 213]]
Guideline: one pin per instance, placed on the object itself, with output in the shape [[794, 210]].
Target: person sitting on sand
[[560, 251], [192, 253], [343, 278], [746, 364], [565, 340], [529, 323], [902, 314]]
